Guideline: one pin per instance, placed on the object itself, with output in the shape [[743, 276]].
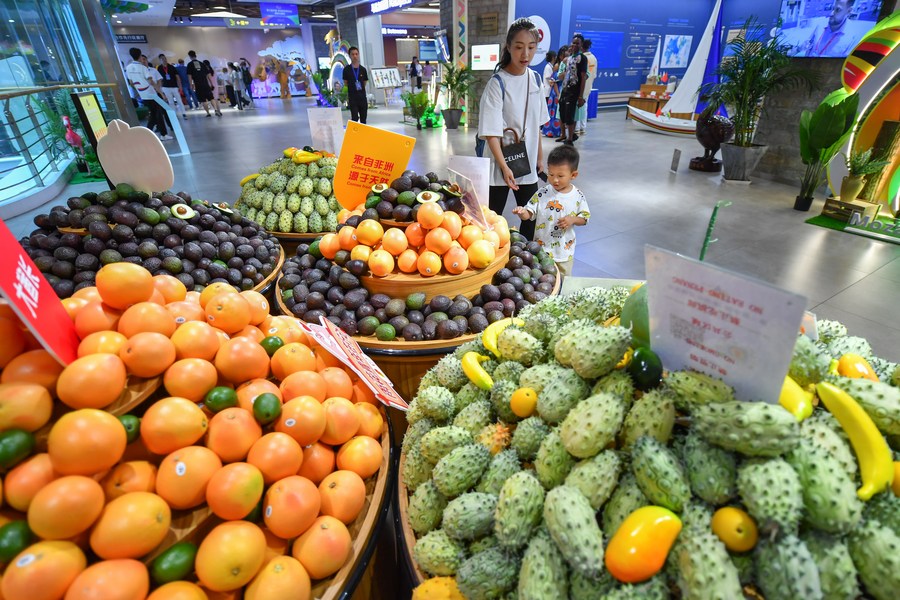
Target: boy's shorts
[[565, 267]]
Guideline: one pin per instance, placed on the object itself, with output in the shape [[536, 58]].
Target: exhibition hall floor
[[634, 199]]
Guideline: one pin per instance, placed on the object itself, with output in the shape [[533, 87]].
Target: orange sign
[[368, 156]]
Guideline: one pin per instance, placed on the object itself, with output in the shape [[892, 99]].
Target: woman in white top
[[504, 106]]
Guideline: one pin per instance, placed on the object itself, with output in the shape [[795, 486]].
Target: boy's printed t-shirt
[[549, 206]]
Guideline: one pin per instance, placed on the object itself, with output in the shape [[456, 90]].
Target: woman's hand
[[508, 177]]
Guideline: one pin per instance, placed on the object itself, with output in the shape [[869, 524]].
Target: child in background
[[557, 208]]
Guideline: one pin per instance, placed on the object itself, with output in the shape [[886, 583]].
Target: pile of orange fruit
[[437, 240], [276, 489]]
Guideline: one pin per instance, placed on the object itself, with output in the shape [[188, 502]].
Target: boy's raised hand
[[522, 212]]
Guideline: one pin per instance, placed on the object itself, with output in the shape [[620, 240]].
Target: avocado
[[183, 211], [426, 196], [148, 215], [452, 190], [223, 207], [402, 184], [124, 190], [432, 177], [373, 201], [390, 195], [107, 198], [108, 257], [406, 198], [379, 188]]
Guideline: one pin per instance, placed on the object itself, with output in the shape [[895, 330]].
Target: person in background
[[237, 85], [284, 80], [571, 95], [551, 94], [156, 81], [247, 77], [832, 38], [427, 71], [415, 73], [190, 98], [171, 82], [355, 78], [199, 75], [223, 81], [517, 104], [139, 78], [213, 78], [581, 113]]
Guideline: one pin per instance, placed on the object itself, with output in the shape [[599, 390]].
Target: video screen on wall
[[427, 51], [826, 29]]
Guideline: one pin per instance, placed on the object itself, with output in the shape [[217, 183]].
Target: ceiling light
[[221, 13], [12, 20], [220, 7], [119, 22], [421, 10], [323, 16], [115, 16]]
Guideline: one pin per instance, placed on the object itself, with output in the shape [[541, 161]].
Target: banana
[[289, 152], [876, 465], [302, 157], [492, 332], [249, 178], [795, 399], [471, 365]]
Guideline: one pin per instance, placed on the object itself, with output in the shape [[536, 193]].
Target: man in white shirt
[[834, 36], [142, 81], [589, 84]]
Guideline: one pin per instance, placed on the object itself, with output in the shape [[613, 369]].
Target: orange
[[259, 306], [362, 455], [456, 260], [171, 424], [193, 297], [157, 298], [407, 261], [234, 490], [232, 432], [325, 359], [43, 571], [415, 234], [428, 264], [178, 590], [338, 383], [318, 462], [347, 237], [329, 245], [438, 240], [13, 340], [73, 305], [343, 215], [452, 223], [494, 238], [283, 578], [65, 507], [362, 393], [185, 312], [96, 316], [341, 421], [190, 378], [213, 290], [324, 548], [502, 230], [343, 495], [34, 366], [304, 383], [230, 556], [302, 418], [124, 579], [284, 327], [146, 316], [370, 420], [277, 455], [102, 342], [469, 234], [132, 476], [430, 215], [241, 359], [481, 253], [361, 252], [171, 288], [25, 406], [290, 506], [381, 263], [369, 232], [248, 392], [26, 479], [228, 311], [89, 293], [183, 476], [123, 284], [92, 381], [195, 339], [148, 354], [131, 526], [394, 241], [275, 546], [86, 442], [251, 332], [291, 358]]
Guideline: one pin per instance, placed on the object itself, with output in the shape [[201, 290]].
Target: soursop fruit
[[875, 551], [315, 223], [251, 214], [553, 462], [461, 469], [301, 170], [543, 574], [324, 187], [570, 520], [593, 351], [333, 203], [618, 383], [711, 471], [829, 494], [330, 222], [450, 373], [301, 225], [279, 204], [809, 363], [501, 394], [292, 184], [880, 400], [691, 388], [474, 417], [556, 400], [436, 402], [704, 568], [487, 575], [659, 474], [592, 425], [785, 570], [307, 207], [469, 516], [271, 221], [596, 477], [519, 510], [416, 469], [262, 181], [285, 221], [770, 489], [515, 344], [751, 428], [277, 183], [503, 466], [306, 187], [837, 573], [527, 438], [414, 433], [537, 377], [293, 203], [268, 202], [312, 170], [884, 508], [653, 415], [849, 344], [321, 204], [438, 442], [326, 171], [426, 508], [824, 430], [437, 553], [509, 370], [625, 499]]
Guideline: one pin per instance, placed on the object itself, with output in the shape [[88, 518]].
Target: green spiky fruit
[[527, 438], [770, 490], [519, 510], [691, 388], [652, 415], [450, 373], [625, 499], [570, 520], [321, 204], [537, 377], [292, 184], [596, 477], [279, 204], [267, 204], [262, 181], [697, 516], [654, 589], [293, 203], [487, 575], [251, 214], [809, 363], [785, 570], [460, 469], [474, 417], [438, 442], [426, 507], [618, 383], [415, 431], [416, 470], [586, 588], [553, 462], [704, 568], [829, 494], [711, 471], [306, 187], [824, 430], [745, 567], [301, 170], [592, 425], [593, 351], [315, 223], [515, 344], [556, 400], [503, 466], [597, 303], [306, 206], [849, 344], [436, 402], [330, 222], [875, 551], [509, 370], [481, 544], [884, 508], [751, 428], [312, 170], [271, 221], [543, 574], [541, 326], [883, 368], [828, 330], [880, 400], [501, 394], [438, 554], [301, 224], [659, 474], [837, 574], [285, 221], [324, 186], [469, 516], [327, 171]]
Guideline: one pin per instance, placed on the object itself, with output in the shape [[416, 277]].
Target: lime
[[174, 564], [15, 536], [385, 332], [368, 325], [15, 446], [220, 398], [266, 408], [636, 315], [415, 301], [271, 344], [132, 425], [314, 249]]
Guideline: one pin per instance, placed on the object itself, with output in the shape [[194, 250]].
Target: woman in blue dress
[[551, 77]]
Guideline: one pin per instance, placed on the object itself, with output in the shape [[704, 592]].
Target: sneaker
[[166, 138], [218, 114], [574, 137], [562, 139]]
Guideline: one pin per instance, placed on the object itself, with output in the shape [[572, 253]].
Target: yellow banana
[[612, 321], [795, 399], [302, 157], [876, 465], [471, 365], [249, 178], [289, 152], [492, 332]]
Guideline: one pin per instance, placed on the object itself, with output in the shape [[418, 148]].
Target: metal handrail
[[49, 88]]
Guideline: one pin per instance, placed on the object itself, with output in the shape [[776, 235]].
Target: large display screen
[[427, 50], [279, 14], [826, 29]]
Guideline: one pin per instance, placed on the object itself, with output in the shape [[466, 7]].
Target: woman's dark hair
[[517, 26], [563, 50], [551, 56]]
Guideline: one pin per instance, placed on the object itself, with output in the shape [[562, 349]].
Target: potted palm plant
[[457, 80], [859, 164], [753, 68]]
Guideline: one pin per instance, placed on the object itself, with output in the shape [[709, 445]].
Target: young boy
[[557, 208]]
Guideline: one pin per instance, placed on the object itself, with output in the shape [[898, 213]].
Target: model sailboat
[[686, 98]]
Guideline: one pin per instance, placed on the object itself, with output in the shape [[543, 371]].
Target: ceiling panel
[[156, 16]]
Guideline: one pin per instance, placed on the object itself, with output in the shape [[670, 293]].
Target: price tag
[[368, 156], [34, 301], [327, 129], [721, 323]]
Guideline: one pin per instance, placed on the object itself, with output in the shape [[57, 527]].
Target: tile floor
[[635, 199]]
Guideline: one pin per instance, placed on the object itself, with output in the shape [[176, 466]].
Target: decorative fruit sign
[[368, 156], [34, 301], [134, 155]]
